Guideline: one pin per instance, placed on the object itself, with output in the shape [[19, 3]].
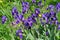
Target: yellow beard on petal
[[40, 15]]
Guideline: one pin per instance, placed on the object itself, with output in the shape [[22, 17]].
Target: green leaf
[[29, 36]]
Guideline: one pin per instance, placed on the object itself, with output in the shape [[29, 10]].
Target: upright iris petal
[[3, 19]]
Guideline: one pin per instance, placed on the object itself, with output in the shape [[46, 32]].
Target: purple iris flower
[[25, 4], [14, 11], [40, 3], [25, 7], [19, 33], [37, 11], [28, 23], [4, 18], [58, 6]]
